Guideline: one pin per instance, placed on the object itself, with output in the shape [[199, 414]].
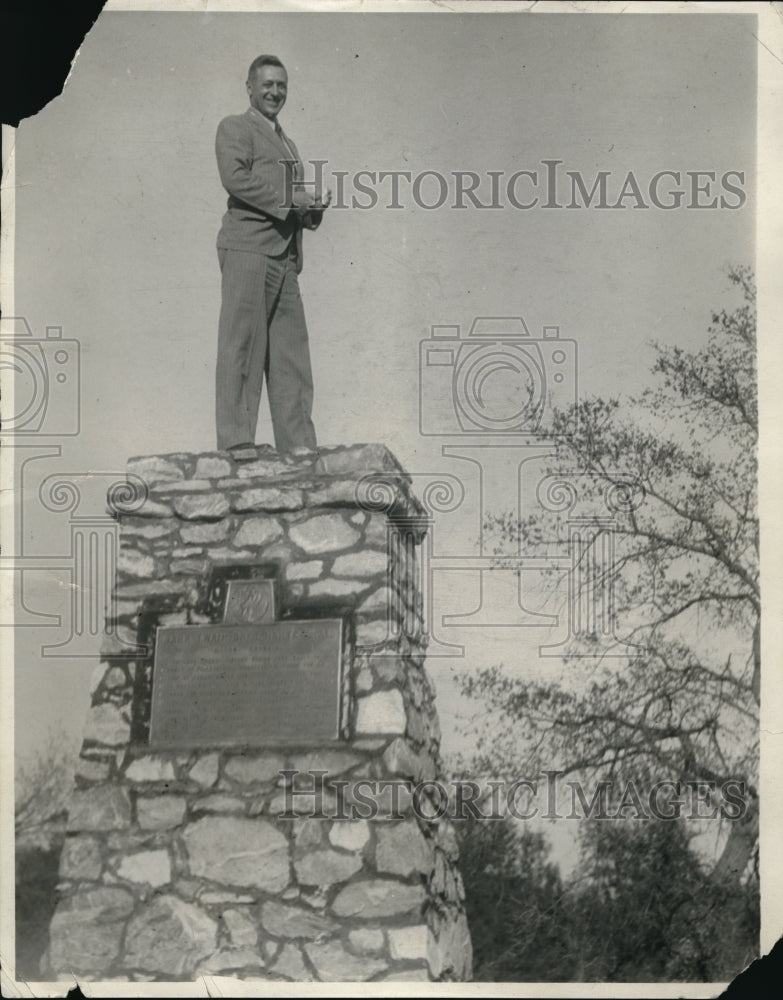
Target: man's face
[[268, 88]]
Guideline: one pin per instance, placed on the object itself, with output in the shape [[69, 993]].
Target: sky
[[118, 204]]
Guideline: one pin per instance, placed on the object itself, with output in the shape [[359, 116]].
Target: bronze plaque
[[249, 602], [227, 685]]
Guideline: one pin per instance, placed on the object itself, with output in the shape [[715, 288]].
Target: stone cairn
[[176, 864]]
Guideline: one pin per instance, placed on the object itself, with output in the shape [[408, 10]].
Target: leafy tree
[[647, 910], [684, 704], [43, 786], [640, 907], [514, 901]]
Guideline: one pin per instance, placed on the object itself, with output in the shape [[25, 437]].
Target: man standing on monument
[[262, 324]]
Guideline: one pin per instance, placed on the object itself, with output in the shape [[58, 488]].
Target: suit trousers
[[262, 331]]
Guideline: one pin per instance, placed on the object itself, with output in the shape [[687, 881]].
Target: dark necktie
[[281, 136]]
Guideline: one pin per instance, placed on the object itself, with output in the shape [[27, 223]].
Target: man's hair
[[260, 61]]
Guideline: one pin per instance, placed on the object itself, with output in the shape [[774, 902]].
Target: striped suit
[[262, 327]]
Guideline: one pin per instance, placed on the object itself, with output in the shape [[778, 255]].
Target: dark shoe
[[303, 451], [244, 452]]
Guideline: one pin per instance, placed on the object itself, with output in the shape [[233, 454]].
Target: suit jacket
[[256, 170]]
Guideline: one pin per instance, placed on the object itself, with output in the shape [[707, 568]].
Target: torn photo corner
[[389, 524]]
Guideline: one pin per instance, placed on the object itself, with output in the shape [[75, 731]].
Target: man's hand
[[302, 200], [320, 205], [310, 210]]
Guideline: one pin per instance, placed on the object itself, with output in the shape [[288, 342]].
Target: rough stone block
[[389, 669], [308, 833], [287, 921], [336, 588], [309, 570], [267, 498], [86, 930], [340, 492], [150, 867], [212, 467], [92, 769], [104, 807], [291, 965], [378, 600], [242, 852], [350, 836], [376, 531], [446, 840], [409, 942], [160, 812], [204, 532], [372, 633], [189, 486], [264, 468], [201, 506], [451, 950], [258, 531], [369, 562], [401, 759], [115, 678], [357, 458], [153, 508], [334, 964], [402, 849], [205, 771], [254, 769], [323, 533], [186, 551], [154, 469], [217, 896], [169, 936], [150, 768], [80, 858], [241, 928], [363, 679], [115, 641], [327, 867], [231, 555], [382, 712], [108, 725], [135, 563], [229, 960], [373, 898], [196, 567], [334, 762], [366, 940]]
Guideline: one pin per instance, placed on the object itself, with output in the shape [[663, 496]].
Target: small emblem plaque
[[250, 602]]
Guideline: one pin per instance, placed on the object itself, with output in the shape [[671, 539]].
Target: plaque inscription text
[[228, 685]]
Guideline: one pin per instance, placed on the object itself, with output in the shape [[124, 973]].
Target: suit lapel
[[268, 132]]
